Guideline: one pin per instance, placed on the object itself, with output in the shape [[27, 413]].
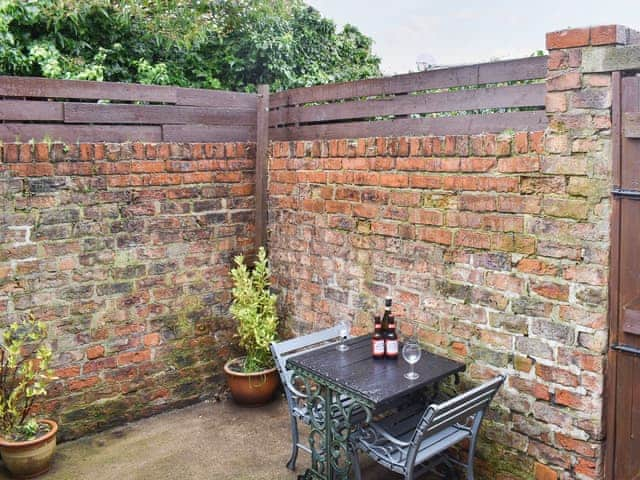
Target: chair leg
[[472, 444], [355, 461], [291, 464], [469, 469], [408, 473]]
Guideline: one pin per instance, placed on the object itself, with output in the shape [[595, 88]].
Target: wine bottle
[[391, 340], [377, 340]]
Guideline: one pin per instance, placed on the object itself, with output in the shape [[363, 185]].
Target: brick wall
[[496, 252], [124, 249], [496, 247]]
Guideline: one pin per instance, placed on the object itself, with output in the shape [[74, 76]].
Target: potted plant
[[253, 378], [26, 444]]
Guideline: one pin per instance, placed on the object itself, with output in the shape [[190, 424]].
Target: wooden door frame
[[609, 407]]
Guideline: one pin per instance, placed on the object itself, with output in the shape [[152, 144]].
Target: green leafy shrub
[[230, 44], [254, 308], [24, 375]]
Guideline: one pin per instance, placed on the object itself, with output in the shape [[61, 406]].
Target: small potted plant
[[253, 378], [26, 444]]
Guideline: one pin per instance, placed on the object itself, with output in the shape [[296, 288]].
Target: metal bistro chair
[[412, 440], [296, 399]]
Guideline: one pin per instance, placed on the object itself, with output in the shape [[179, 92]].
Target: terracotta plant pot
[[251, 389], [30, 458]]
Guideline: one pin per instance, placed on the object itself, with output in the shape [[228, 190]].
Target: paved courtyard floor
[[207, 441]]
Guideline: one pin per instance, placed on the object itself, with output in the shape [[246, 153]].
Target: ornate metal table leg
[[341, 425], [331, 424]]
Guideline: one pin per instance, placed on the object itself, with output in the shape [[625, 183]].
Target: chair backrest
[[457, 410], [286, 349]]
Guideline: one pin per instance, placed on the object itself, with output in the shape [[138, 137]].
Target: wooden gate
[[623, 419]]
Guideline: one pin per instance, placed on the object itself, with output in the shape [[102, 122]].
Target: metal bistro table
[[341, 384]]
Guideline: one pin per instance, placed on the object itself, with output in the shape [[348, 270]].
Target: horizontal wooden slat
[[457, 125], [156, 114], [23, 132], [208, 133], [528, 68], [511, 96], [494, 72], [631, 124], [215, 98], [30, 110], [85, 90]]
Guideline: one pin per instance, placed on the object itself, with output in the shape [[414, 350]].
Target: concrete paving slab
[[207, 441]]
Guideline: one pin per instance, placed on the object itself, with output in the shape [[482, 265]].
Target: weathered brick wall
[[495, 247], [124, 250], [497, 252]]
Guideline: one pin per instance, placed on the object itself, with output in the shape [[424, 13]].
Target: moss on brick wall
[[496, 250], [124, 250]]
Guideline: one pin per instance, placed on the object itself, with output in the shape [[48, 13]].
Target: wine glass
[[344, 328], [411, 353]]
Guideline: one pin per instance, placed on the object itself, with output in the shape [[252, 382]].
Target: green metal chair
[[413, 440], [296, 399]]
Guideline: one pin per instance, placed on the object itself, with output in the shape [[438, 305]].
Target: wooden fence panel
[[631, 125], [529, 68], [454, 125], [78, 110], [23, 132], [156, 114], [509, 70], [72, 110], [31, 110], [511, 96], [84, 90], [208, 133], [215, 98], [488, 97]]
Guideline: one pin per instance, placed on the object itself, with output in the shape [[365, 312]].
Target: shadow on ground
[[208, 441]]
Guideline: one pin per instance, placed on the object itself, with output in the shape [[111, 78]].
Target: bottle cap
[[387, 302]]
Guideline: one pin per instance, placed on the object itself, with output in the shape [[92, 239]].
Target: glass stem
[[412, 374]]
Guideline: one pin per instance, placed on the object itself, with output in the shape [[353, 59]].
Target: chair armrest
[[297, 393], [387, 436]]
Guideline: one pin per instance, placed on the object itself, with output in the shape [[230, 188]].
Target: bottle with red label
[[377, 340], [391, 340]]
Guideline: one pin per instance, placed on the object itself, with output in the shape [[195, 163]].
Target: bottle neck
[[392, 323]]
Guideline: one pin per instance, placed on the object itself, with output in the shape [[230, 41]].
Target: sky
[[452, 32]]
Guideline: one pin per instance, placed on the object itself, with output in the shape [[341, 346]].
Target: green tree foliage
[[230, 44]]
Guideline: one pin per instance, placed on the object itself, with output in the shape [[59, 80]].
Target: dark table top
[[377, 381]]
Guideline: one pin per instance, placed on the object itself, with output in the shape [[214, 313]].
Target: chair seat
[[388, 439], [413, 439]]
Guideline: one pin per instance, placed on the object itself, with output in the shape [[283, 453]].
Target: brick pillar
[[578, 147]]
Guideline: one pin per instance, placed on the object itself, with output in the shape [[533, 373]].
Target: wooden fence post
[[262, 171]]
